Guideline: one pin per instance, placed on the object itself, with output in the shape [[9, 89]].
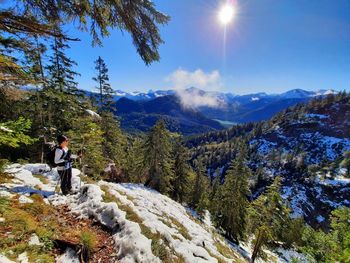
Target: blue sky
[[271, 46]]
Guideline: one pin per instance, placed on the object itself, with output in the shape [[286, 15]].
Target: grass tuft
[[224, 250], [4, 204], [21, 222], [5, 178], [180, 227], [88, 239]]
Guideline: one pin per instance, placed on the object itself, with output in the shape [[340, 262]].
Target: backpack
[[50, 157]]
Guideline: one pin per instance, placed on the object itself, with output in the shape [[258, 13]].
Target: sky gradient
[[271, 46]]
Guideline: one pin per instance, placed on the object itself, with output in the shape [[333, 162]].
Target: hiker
[[63, 161]]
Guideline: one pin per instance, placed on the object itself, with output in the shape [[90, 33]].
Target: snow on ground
[[23, 258], [93, 114], [330, 143], [279, 255], [4, 259], [180, 229], [131, 245], [162, 215], [264, 146], [298, 199], [317, 116], [24, 200], [286, 256], [69, 256], [337, 181], [28, 183]]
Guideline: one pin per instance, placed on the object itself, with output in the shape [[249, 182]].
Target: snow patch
[[264, 146], [159, 213], [317, 116], [337, 181], [93, 114], [131, 245], [25, 183], [69, 256], [34, 240], [25, 200], [4, 193], [286, 256], [4, 259], [298, 200], [23, 258]]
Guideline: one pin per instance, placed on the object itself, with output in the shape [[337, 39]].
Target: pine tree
[[98, 17], [268, 218], [215, 195], [86, 138], [104, 88], [18, 40], [199, 196], [157, 156], [62, 100], [34, 62], [181, 171], [114, 141], [345, 163], [37, 102], [234, 202], [60, 70], [135, 167]]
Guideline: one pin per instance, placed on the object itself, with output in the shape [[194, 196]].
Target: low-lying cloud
[[189, 87]]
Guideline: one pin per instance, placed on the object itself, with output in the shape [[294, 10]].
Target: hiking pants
[[66, 180]]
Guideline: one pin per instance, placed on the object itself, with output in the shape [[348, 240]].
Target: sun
[[227, 14]]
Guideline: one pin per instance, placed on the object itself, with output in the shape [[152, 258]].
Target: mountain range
[[193, 111], [222, 96]]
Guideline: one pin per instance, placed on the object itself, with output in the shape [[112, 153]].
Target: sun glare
[[227, 14]]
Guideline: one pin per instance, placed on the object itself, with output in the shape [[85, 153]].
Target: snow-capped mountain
[[297, 94], [228, 107], [300, 93], [136, 95], [223, 96]]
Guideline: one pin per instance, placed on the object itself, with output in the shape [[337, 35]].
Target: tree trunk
[[257, 245]]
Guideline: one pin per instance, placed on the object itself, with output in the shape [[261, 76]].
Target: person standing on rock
[[63, 160]]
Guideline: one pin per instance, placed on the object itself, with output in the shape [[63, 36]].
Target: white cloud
[[181, 80]]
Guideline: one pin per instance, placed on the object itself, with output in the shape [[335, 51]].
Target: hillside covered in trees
[[307, 145]]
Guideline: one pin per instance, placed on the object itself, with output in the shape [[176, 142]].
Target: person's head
[[62, 140]]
